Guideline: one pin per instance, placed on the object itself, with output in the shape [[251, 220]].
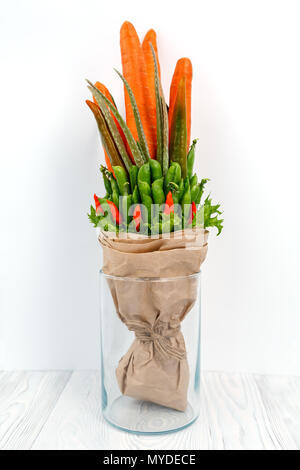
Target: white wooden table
[[61, 410]]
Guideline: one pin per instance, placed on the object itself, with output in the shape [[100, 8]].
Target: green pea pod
[[180, 190], [193, 180], [191, 158], [126, 202], [167, 223], [178, 133], [115, 192], [177, 173], [169, 178], [158, 191], [186, 198], [136, 195], [145, 193], [106, 181], [144, 174], [156, 171], [144, 189], [122, 180], [133, 172], [147, 203], [195, 193]]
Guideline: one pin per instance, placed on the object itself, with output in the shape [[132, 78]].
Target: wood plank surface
[[26, 401], [62, 410]]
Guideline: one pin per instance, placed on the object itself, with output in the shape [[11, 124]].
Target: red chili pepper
[[169, 207], [114, 212], [193, 212], [99, 209], [137, 217]]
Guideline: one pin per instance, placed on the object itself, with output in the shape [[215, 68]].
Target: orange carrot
[[150, 38], [135, 72], [183, 69]]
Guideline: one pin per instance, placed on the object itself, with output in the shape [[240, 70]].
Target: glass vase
[[150, 352]]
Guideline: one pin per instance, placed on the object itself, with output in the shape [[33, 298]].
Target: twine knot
[[160, 334]]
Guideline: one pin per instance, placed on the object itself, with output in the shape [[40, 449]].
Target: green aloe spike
[[162, 120], [106, 137], [137, 117], [115, 133], [137, 155], [159, 131], [165, 136]]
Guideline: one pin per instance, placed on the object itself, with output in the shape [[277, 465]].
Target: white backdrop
[[246, 113]]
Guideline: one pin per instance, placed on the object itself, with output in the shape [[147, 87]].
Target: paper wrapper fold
[[155, 367]]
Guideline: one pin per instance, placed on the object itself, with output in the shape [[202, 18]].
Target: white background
[[246, 113]]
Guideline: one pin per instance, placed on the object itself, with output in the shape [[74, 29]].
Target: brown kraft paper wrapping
[[155, 367]]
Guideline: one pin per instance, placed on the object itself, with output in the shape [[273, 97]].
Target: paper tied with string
[[155, 367]]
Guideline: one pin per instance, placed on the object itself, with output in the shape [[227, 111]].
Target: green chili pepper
[[177, 173], [169, 178], [158, 191], [191, 158], [193, 180], [133, 176], [156, 171], [122, 180]]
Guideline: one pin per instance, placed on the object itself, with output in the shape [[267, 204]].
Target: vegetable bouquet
[[153, 218], [149, 180]]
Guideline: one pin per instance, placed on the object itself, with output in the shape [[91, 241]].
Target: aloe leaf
[[165, 136], [178, 133], [161, 119], [115, 134], [159, 130], [106, 137], [138, 157], [137, 117]]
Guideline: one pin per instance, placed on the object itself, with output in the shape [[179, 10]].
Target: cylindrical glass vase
[[150, 352]]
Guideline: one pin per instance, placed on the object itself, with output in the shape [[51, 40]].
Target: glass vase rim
[[151, 279]]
